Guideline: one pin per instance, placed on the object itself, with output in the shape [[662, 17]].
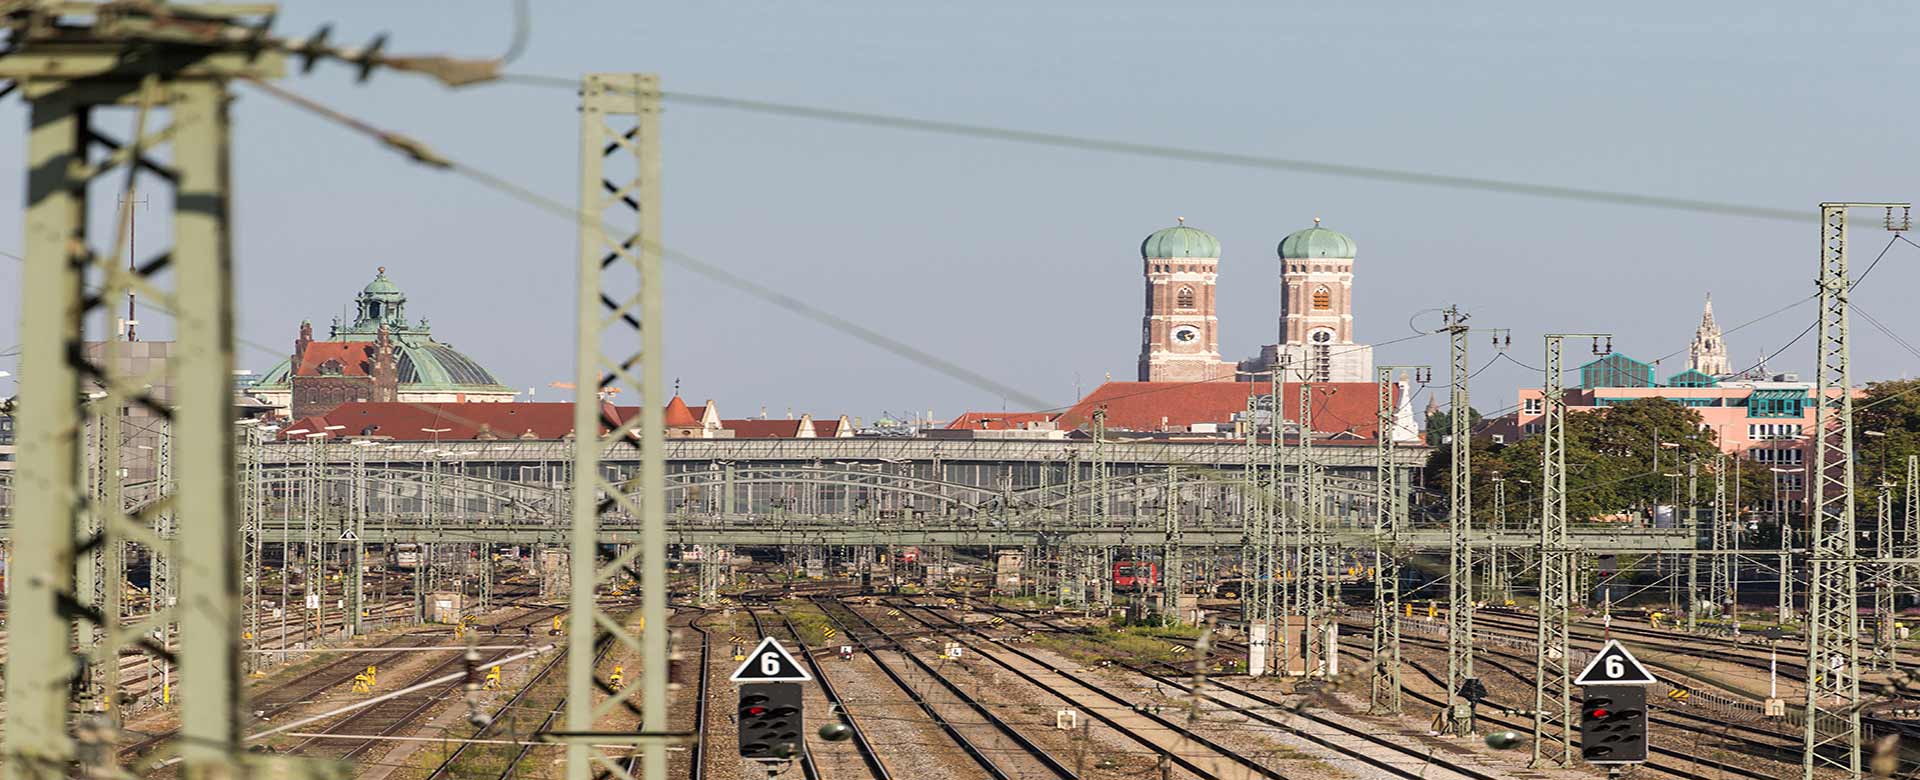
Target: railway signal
[[1613, 724], [771, 720], [768, 663], [1613, 707]]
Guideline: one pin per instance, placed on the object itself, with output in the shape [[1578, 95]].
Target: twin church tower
[[1180, 334]]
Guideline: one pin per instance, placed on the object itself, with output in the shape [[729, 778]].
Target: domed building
[[1316, 312], [380, 356], [1180, 334]]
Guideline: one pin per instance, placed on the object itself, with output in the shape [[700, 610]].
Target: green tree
[[1440, 425], [1891, 412]]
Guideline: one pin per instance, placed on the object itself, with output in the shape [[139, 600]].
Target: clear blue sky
[[1021, 262]]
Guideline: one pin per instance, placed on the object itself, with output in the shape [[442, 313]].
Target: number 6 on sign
[[1613, 665], [770, 662]]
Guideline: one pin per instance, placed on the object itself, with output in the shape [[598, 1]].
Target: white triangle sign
[[1614, 665], [349, 536], [770, 662]]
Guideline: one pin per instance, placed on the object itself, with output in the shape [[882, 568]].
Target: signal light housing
[[1613, 724], [771, 722]]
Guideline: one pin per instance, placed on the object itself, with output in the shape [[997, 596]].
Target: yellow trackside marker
[[373, 674], [619, 675], [493, 679], [1409, 609], [556, 622], [1432, 610]]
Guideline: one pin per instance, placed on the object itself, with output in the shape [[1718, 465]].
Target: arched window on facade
[[1322, 298], [1184, 298]]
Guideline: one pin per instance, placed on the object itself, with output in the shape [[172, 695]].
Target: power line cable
[[1185, 154], [421, 153]]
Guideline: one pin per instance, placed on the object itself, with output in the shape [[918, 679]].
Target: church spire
[[1708, 352]]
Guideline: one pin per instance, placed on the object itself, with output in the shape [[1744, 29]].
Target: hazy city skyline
[[1021, 263]]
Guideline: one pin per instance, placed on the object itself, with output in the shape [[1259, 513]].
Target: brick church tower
[[1316, 312], [1179, 334]]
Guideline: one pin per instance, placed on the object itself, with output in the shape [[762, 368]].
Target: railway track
[[1668, 763], [1044, 763], [388, 718], [1171, 741], [1338, 737]]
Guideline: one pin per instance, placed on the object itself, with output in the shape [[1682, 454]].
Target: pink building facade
[[1766, 422]]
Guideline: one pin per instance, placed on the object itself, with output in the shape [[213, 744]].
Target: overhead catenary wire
[[1186, 154], [423, 154]]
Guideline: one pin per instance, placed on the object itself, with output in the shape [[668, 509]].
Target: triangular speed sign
[[1613, 665], [770, 662]]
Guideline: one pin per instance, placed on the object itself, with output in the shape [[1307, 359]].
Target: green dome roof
[[1180, 241], [425, 365], [1316, 242], [381, 285]]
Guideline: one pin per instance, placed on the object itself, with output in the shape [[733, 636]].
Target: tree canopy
[[1622, 458]]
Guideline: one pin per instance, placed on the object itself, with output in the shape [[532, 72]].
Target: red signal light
[[1599, 712], [755, 711]]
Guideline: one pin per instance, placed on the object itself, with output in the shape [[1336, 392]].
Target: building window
[[1322, 298], [1533, 428], [1184, 299], [1776, 403], [1535, 405]]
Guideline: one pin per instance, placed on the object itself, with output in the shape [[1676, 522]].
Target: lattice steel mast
[[67, 74], [1459, 714], [1553, 684], [1721, 586], [618, 331], [1833, 630], [1316, 549], [1385, 696]]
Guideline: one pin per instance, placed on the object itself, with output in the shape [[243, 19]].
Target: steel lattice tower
[[1387, 527], [1459, 715], [1883, 573], [1172, 575], [1833, 588], [618, 333], [1721, 586], [1316, 549], [66, 152], [1553, 683]]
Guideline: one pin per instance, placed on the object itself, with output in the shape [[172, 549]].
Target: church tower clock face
[[1186, 334]]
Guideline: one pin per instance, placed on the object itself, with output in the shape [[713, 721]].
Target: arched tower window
[[1184, 298], [1322, 298]]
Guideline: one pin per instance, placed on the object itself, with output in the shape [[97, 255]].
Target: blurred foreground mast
[[619, 321], [73, 64]]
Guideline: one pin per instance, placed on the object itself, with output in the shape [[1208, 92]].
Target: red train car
[[1135, 575]]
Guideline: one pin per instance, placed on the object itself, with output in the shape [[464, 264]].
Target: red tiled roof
[[998, 421], [407, 421], [355, 357], [763, 429], [826, 429], [1340, 407], [679, 416]]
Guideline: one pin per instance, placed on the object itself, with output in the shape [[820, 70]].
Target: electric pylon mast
[[1459, 714], [1833, 588], [1553, 683], [1726, 520], [1388, 526], [618, 333]]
